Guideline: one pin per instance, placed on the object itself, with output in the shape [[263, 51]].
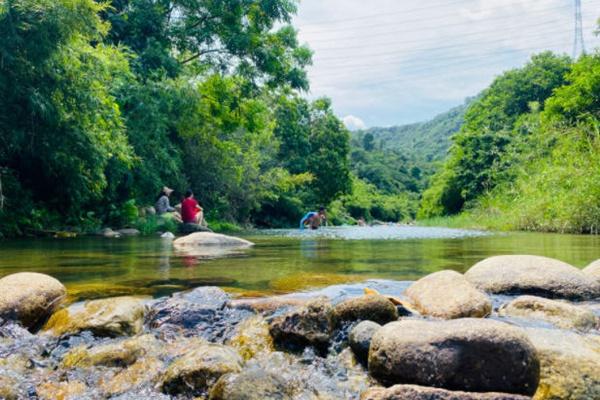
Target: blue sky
[[391, 62]]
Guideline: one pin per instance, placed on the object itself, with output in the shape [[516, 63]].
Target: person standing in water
[[314, 219]]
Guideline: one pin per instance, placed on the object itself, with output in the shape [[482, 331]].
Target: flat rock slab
[[539, 276], [560, 313], [210, 239], [30, 298], [448, 295], [570, 364], [414, 392], [472, 355]]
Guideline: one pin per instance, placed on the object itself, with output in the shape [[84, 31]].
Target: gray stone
[[473, 355], [360, 339], [448, 295], [593, 270], [128, 232], [29, 298], [538, 276], [209, 239], [251, 384]]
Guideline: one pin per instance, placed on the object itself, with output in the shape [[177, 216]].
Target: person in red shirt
[[191, 212]]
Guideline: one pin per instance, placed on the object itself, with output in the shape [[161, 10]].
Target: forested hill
[[428, 141]]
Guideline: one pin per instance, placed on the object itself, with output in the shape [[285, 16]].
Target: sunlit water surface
[[282, 261]]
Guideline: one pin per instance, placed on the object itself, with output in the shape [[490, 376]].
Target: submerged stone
[[448, 295], [307, 326], [67, 390], [252, 338], [210, 239], [539, 276], [372, 307], [197, 371], [473, 355], [251, 384], [414, 392], [110, 317], [143, 372], [559, 313], [29, 298]]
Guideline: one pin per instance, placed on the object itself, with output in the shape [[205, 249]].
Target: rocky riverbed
[[512, 327]]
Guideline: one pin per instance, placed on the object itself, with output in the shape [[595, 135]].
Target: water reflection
[[98, 267]]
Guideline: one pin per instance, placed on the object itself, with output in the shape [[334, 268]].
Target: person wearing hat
[[163, 205]]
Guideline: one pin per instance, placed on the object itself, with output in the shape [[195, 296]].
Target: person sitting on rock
[[191, 212], [163, 206], [313, 219]]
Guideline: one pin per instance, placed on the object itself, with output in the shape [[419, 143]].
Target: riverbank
[[340, 342]]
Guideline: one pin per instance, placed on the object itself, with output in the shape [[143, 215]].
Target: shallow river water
[[282, 261]]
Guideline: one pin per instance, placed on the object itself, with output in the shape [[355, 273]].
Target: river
[[282, 261]]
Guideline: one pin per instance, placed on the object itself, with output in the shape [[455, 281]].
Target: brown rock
[[413, 392], [473, 355], [30, 298], [448, 295], [374, 307], [538, 276]]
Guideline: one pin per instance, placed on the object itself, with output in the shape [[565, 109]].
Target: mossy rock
[[119, 354], [253, 338]]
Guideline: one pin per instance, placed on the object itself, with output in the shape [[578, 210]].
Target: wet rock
[[308, 326], [360, 339], [559, 313], [251, 384], [448, 295], [118, 354], [414, 392], [109, 233], [67, 390], [195, 372], [128, 232], [570, 364], [110, 317], [210, 239], [373, 307], [593, 270], [188, 228], [539, 276], [268, 305], [29, 298], [8, 388], [463, 354], [252, 338], [142, 372]]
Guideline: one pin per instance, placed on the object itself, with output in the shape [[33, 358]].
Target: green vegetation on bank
[[528, 154], [103, 104]]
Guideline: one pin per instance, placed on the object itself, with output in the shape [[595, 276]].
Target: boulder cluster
[[510, 328]]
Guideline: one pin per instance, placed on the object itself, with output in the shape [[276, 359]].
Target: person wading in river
[[314, 219]]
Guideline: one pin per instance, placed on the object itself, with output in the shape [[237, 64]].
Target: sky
[[392, 62]]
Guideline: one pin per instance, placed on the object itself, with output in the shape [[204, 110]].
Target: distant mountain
[[426, 141]]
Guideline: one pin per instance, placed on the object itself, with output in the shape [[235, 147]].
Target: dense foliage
[[528, 154], [101, 105]]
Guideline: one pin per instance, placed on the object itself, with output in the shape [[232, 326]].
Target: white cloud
[[395, 62], [353, 123]]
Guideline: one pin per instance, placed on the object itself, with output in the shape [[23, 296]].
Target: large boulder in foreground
[[538, 276], [448, 295], [414, 392], [112, 317], [570, 364], [310, 325], [557, 312], [251, 384], [30, 298], [371, 307], [473, 355], [209, 239], [197, 371]]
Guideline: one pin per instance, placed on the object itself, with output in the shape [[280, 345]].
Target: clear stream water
[[282, 261]]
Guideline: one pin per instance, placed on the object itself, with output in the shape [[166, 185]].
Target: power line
[[445, 17]]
